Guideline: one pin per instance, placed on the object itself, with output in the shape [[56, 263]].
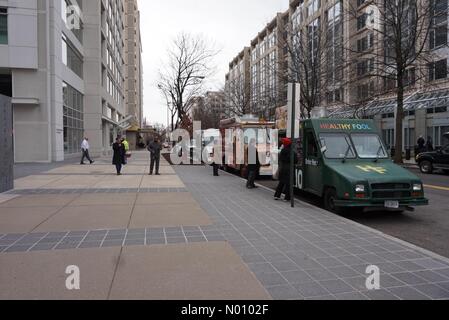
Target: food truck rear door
[[313, 165]]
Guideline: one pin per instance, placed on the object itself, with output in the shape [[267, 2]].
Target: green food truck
[[347, 163]]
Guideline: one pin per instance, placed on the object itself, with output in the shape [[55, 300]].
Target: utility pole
[[293, 147]]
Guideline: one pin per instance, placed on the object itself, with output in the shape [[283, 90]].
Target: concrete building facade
[[62, 62], [133, 58]]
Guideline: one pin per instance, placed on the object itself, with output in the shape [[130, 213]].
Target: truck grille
[[391, 186], [391, 194]]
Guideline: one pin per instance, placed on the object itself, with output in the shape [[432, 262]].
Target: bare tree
[[401, 48], [189, 63], [237, 98], [307, 47]]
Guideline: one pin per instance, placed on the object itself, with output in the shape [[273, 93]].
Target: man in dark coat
[[155, 149], [284, 171], [215, 166], [421, 145], [118, 158], [253, 164]]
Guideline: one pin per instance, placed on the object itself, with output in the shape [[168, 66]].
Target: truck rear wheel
[[330, 196]]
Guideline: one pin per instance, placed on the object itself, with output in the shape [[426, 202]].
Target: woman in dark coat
[[119, 155], [284, 171]]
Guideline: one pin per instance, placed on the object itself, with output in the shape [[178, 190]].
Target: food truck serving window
[[369, 146], [337, 146], [261, 134]]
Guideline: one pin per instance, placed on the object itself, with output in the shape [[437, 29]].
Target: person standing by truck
[[284, 170], [253, 164]]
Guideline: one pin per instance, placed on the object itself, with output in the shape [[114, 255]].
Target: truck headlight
[[417, 187], [360, 188]]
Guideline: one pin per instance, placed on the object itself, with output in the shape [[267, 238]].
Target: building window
[[365, 66], [313, 7], [3, 26], [437, 134], [73, 109], [436, 110], [335, 40], [366, 90], [71, 58], [389, 137], [365, 43], [438, 70], [409, 137], [438, 33]]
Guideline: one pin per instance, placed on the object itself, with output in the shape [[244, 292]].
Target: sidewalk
[[410, 164], [132, 237], [188, 235]]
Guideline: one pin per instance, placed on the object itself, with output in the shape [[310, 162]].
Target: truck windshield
[[369, 146], [337, 146]]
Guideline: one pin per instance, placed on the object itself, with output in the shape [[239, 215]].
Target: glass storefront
[[73, 119]]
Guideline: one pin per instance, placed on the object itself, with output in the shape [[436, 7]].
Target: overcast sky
[[232, 24]]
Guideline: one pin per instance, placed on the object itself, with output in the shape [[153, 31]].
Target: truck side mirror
[[324, 150]]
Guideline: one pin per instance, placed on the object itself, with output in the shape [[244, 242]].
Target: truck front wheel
[[330, 197], [426, 167]]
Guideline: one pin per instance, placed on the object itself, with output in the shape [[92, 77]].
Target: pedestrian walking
[[126, 146], [253, 164], [215, 166], [284, 170], [85, 149], [429, 145], [155, 148], [119, 155]]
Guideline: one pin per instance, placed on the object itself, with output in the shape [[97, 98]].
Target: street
[[427, 227]]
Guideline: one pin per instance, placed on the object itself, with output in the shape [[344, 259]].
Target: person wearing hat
[[284, 170]]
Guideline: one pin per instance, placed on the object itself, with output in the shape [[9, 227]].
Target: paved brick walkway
[[309, 253], [133, 236], [188, 235]]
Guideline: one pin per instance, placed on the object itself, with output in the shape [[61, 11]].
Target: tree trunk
[[398, 159]]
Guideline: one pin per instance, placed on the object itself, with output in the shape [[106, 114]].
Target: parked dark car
[[435, 160]]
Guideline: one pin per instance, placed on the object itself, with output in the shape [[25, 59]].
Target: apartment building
[[347, 52], [215, 101], [267, 70], [133, 58], [62, 62], [426, 82], [237, 84]]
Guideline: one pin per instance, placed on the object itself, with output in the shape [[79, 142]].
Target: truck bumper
[[369, 203]]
